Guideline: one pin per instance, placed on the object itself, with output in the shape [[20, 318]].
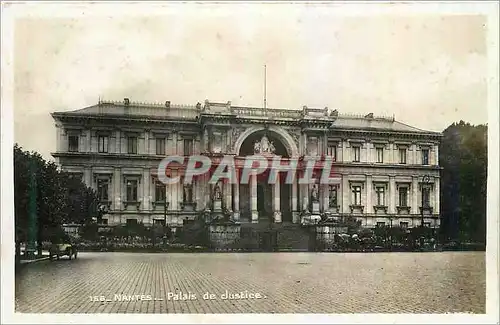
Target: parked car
[[63, 249]]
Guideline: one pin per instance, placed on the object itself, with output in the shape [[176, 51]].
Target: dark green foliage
[[463, 156], [59, 197]]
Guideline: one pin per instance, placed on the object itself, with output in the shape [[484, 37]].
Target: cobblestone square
[[265, 282]]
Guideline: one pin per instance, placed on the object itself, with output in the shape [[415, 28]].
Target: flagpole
[[265, 87]]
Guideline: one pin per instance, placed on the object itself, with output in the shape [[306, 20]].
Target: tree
[[463, 156], [57, 197]]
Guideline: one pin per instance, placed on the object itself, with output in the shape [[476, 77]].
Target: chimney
[[126, 101], [167, 104]]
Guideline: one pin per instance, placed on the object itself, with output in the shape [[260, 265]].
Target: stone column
[[88, 176], [345, 195], [206, 190], [295, 215], [146, 143], [369, 192], [228, 194], [253, 197], [435, 161], [117, 189], [88, 145], [146, 180], [436, 207], [276, 201], [324, 190], [392, 196], [174, 192], [305, 197], [414, 196], [236, 196]]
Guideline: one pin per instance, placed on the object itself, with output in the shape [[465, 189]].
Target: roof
[[191, 112]]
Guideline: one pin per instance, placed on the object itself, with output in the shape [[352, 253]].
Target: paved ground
[[286, 282]]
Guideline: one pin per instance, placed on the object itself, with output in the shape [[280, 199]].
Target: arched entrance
[[262, 201]]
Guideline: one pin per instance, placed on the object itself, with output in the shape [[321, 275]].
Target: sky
[[429, 70]]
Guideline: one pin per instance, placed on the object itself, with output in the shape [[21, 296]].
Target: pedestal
[[277, 216], [217, 206], [315, 208]]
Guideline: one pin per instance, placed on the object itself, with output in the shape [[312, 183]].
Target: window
[[427, 224], [132, 144], [402, 156], [380, 155], [104, 221], [160, 192], [356, 192], [131, 222], [159, 222], [380, 224], [332, 151], [132, 191], [73, 143], [102, 189], [103, 143], [160, 146], [188, 147], [357, 153], [403, 196], [380, 191], [403, 225], [332, 196], [425, 156], [426, 195]]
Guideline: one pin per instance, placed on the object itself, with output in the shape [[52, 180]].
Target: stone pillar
[[88, 176], [146, 180], [414, 196], [325, 195], [147, 147], [276, 201], [118, 142], [228, 196], [369, 194], [345, 194], [392, 196], [295, 215], [436, 207], [117, 189], [206, 191], [305, 197], [236, 196], [436, 156], [253, 197], [88, 145], [59, 139], [174, 192]]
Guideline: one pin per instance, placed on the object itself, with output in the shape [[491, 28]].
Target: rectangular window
[[73, 143], [380, 191], [159, 222], [356, 192], [380, 224], [188, 147], [426, 195], [103, 143], [356, 153], [332, 152], [403, 196], [131, 222], [403, 225], [132, 145], [160, 146], [427, 224], [104, 221], [332, 196], [160, 192], [132, 191], [402, 156], [380, 155], [102, 189], [425, 156]]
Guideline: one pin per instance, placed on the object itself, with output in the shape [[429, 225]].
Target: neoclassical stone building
[[387, 172]]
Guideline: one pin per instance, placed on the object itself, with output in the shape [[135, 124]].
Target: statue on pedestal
[[263, 146], [314, 193], [217, 192]]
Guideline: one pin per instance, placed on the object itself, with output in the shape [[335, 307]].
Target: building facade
[[386, 172]]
